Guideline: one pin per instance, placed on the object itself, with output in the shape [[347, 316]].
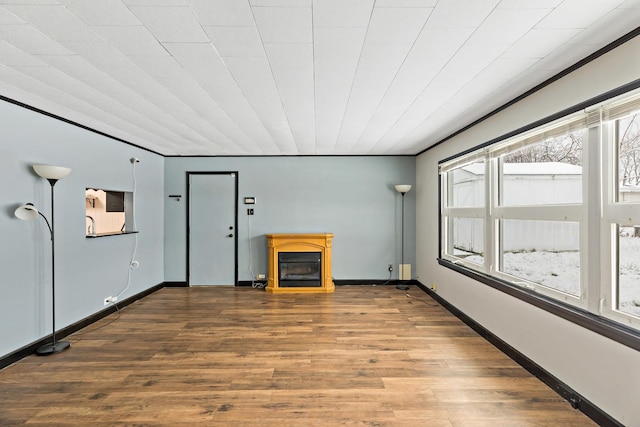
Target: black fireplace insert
[[299, 269]]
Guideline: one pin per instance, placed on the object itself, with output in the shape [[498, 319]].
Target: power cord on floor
[[421, 300], [387, 282], [77, 337]]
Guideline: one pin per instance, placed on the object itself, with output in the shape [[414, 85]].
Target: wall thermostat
[[249, 200]]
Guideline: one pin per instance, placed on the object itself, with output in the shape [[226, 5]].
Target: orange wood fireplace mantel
[[304, 242]]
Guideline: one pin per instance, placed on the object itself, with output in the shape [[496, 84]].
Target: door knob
[[230, 235]]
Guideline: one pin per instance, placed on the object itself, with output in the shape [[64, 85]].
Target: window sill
[[113, 233], [620, 333]]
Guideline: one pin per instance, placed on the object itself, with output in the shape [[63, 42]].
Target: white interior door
[[212, 229]]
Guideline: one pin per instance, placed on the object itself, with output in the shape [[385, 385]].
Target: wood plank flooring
[[362, 356]]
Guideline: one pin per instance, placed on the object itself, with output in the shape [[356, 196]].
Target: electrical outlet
[[110, 300], [434, 287], [249, 211], [260, 276], [390, 268]]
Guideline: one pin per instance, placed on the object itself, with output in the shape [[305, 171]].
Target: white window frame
[[573, 212], [597, 216], [615, 214], [493, 213], [448, 213]]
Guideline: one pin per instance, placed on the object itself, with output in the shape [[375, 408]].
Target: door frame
[[235, 226]]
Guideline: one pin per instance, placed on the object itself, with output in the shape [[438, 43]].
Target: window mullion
[[608, 179], [489, 223], [464, 212], [541, 213], [590, 234]]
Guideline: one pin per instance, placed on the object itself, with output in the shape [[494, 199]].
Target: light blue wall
[[352, 197], [87, 270]]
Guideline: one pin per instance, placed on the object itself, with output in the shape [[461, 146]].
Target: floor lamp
[[29, 212], [402, 189]]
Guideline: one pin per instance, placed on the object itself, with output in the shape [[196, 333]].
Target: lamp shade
[[51, 172], [26, 212], [403, 188]]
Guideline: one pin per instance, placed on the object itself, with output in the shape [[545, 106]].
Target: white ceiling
[[291, 77]]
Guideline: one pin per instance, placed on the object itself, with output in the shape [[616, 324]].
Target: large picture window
[[533, 211]]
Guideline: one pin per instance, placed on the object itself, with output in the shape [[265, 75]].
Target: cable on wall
[[133, 263], [254, 284], [388, 280]]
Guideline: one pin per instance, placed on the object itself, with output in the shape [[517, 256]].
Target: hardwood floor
[[362, 356]]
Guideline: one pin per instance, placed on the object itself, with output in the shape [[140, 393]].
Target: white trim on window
[[598, 216], [615, 214]]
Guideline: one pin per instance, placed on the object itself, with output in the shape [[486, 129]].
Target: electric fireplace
[[299, 269], [300, 263]]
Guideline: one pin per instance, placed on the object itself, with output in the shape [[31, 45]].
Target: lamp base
[[402, 287], [49, 349]]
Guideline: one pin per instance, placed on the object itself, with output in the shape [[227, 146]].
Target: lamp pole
[[402, 189], [55, 346], [52, 174]]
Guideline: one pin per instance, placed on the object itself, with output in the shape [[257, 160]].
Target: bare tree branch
[[565, 149]]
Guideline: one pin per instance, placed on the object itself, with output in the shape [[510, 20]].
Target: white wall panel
[[564, 349]]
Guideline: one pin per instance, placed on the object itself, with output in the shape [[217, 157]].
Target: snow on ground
[[555, 270], [561, 271], [630, 275]]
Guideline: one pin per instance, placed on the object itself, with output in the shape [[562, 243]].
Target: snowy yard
[[561, 271], [630, 275]]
